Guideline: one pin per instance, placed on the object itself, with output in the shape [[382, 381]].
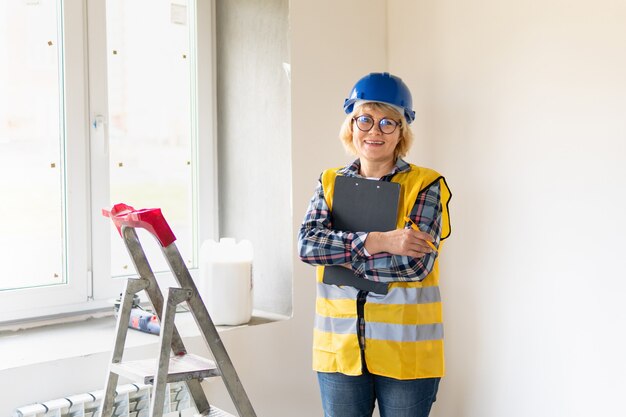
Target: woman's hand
[[406, 242]]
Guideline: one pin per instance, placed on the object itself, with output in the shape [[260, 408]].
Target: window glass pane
[[31, 143], [150, 144]]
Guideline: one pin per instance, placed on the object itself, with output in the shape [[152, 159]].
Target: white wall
[[254, 141], [522, 105]]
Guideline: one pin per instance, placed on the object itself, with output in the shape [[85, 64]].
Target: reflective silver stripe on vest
[[334, 325], [400, 295], [333, 292], [397, 295], [404, 333]]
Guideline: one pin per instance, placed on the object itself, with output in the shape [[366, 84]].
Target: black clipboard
[[362, 205]]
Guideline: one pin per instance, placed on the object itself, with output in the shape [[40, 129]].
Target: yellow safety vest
[[403, 329]]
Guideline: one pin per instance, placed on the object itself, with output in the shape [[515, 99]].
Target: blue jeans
[[354, 396]]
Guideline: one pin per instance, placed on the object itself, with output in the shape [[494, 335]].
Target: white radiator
[[133, 400]]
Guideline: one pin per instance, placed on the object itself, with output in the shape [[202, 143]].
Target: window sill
[[95, 335]]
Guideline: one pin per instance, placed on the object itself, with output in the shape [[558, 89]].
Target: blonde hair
[[406, 134]]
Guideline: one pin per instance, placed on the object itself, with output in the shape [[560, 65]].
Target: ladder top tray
[[181, 368]]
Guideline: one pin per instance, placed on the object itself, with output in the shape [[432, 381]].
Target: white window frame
[[90, 287]]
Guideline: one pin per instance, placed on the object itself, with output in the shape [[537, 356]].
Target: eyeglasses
[[366, 123]]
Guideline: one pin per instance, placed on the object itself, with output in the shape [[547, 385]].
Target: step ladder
[[174, 363]]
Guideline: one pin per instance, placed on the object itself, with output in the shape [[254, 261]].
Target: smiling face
[[374, 146], [348, 134]]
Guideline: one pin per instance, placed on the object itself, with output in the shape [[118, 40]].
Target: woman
[[368, 346]]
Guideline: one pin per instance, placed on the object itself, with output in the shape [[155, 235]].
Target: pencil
[[414, 227]]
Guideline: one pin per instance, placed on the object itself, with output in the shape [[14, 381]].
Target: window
[[97, 109], [31, 141]]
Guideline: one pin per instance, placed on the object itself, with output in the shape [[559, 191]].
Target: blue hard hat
[[382, 87]]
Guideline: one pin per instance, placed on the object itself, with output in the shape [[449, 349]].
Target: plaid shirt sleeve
[[318, 244]]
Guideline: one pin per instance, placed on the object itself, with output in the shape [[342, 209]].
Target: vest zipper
[[360, 329]]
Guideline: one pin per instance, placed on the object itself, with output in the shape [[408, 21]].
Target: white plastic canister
[[225, 281]]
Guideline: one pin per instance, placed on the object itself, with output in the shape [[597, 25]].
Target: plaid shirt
[[319, 244]]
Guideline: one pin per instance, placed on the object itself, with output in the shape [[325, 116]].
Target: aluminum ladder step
[[216, 412], [181, 368]]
